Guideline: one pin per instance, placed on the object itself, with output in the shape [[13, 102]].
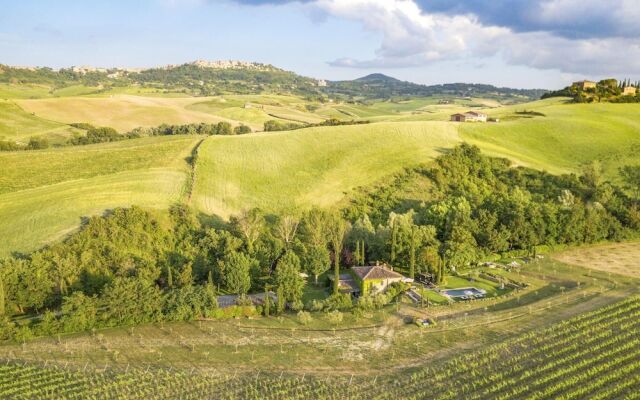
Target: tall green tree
[[631, 176], [288, 277], [317, 260], [237, 273], [337, 228]]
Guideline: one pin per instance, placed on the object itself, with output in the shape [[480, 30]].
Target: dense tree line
[[274, 125], [479, 206]]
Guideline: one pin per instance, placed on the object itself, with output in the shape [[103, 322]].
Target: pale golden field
[[617, 258]]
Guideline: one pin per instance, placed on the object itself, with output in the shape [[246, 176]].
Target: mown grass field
[[44, 194], [315, 166], [616, 258]]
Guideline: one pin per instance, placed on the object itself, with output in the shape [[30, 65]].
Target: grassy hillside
[[564, 138], [18, 125], [306, 167], [44, 194], [122, 112]]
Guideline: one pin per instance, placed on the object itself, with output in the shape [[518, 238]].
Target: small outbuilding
[[629, 91], [469, 116]]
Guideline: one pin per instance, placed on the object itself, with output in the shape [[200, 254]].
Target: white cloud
[[411, 37]]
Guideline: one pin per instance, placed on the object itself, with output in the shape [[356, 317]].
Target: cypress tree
[[280, 295], [412, 255], [169, 277], [358, 253], [267, 301], [394, 238], [2, 305]]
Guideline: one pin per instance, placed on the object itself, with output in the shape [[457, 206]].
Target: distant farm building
[[584, 85], [322, 83], [469, 116], [375, 278], [629, 91]]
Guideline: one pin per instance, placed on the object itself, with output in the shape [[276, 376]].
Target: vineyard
[[594, 355]]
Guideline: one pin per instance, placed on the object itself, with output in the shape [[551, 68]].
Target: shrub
[[341, 301], [241, 129], [335, 317], [304, 317]]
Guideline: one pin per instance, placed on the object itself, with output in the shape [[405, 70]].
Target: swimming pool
[[464, 293]]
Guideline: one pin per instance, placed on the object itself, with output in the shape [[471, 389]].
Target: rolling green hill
[[44, 194], [564, 138], [18, 125], [314, 166]]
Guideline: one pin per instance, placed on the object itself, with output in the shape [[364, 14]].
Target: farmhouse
[[469, 116], [584, 85], [629, 91], [375, 278]]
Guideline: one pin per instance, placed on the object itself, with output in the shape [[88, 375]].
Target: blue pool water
[[462, 292]]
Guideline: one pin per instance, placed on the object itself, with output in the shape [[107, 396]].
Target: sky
[[514, 43]]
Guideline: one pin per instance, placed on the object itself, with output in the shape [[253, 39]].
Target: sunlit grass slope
[[314, 166], [565, 138], [122, 112], [18, 125], [44, 194]]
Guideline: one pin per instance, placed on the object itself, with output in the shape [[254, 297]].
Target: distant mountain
[[206, 78], [380, 86], [377, 78]]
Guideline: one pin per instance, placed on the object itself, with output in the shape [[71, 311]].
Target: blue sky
[[517, 43]]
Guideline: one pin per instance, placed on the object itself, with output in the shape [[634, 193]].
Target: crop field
[[314, 166], [617, 258], [44, 194], [121, 112], [595, 354]]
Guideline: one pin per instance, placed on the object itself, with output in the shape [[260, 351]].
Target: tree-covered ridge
[[480, 206], [378, 86]]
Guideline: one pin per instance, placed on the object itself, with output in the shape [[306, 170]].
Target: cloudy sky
[[517, 43]]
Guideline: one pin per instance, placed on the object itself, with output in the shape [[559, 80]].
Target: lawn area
[[456, 282], [433, 296], [313, 166]]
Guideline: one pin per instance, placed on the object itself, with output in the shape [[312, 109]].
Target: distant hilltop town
[[219, 64], [230, 64]]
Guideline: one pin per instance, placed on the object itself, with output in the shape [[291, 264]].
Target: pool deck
[[474, 293]]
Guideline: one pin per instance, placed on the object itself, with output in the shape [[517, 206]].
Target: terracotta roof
[[474, 113], [375, 272]]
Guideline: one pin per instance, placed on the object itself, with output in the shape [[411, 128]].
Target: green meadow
[[565, 138], [44, 194], [19, 125], [314, 166]]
